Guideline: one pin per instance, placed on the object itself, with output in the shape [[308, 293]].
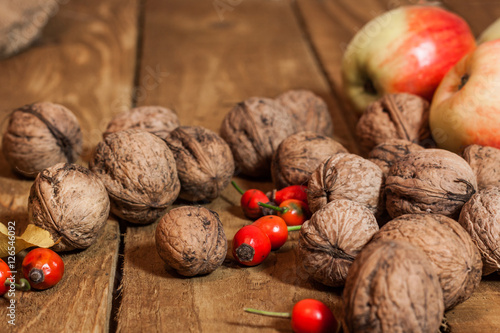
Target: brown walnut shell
[[346, 176], [309, 111], [485, 162], [385, 154], [331, 239], [429, 181], [394, 116], [139, 172], [191, 240], [254, 129], [299, 155], [480, 216], [71, 203], [454, 256], [154, 119], [204, 162], [392, 287], [41, 135]]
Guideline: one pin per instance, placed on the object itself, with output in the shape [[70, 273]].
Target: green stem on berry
[[282, 210], [294, 228], [269, 313], [237, 187], [24, 285]]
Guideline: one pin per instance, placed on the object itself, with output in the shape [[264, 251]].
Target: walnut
[[204, 162], [394, 116], [139, 172], [191, 240], [484, 161], [454, 256], [299, 155], [385, 154], [254, 129], [154, 119], [432, 181], [41, 135], [392, 287], [309, 111], [71, 203], [346, 176], [332, 238], [480, 216]]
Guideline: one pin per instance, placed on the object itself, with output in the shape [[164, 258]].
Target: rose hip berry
[[43, 268], [5, 275], [275, 228], [294, 212], [251, 246], [297, 192], [250, 201], [308, 316]]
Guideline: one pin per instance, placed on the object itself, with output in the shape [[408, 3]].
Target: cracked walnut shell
[[449, 247], [331, 239], [346, 176], [392, 287], [254, 129], [41, 135], [480, 216], [394, 116], [139, 172], [71, 203], [429, 181], [204, 162], [191, 240], [299, 155]]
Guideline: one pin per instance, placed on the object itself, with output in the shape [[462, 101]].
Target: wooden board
[[85, 60], [214, 62]]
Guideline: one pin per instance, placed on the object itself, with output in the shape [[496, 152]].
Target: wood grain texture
[[84, 60], [213, 62], [478, 13]]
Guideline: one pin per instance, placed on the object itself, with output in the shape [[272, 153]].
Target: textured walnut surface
[[454, 256], [394, 116], [139, 172], [299, 155], [346, 176], [432, 181], [332, 238], [204, 162], [480, 216], [71, 203], [385, 154], [392, 287], [309, 111], [485, 162], [154, 119], [41, 135], [254, 129], [191, 240]]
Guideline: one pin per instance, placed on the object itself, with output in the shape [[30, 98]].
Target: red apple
[[491, 32], [466, 105], [408, 49]]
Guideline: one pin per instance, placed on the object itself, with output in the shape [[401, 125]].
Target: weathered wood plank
[[85, 60], [213, 62]]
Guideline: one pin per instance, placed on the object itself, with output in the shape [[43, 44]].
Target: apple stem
[[269, 313], [237, 187], [463, 81]]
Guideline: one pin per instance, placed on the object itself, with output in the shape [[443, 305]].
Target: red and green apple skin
[[466, 106], [408, 49], [490, 33]]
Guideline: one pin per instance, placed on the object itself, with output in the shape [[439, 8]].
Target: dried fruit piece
[[332, 238], [429, 181], [484, 161], [480, 216], [455, 258], [41, 135], [191, 240], [299, 155], [71, 203], [392, 287]]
